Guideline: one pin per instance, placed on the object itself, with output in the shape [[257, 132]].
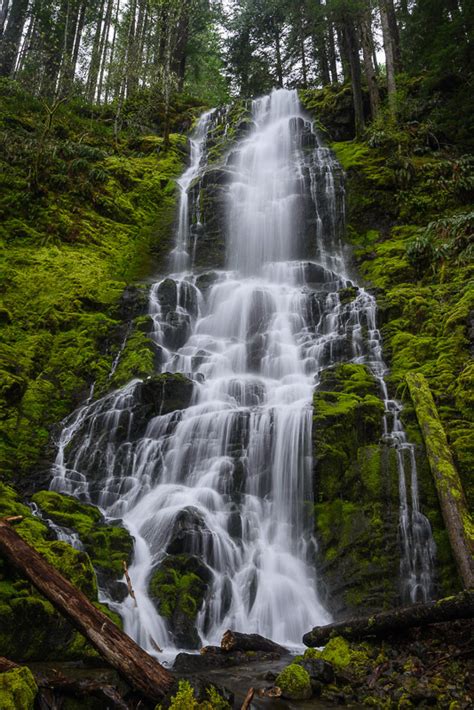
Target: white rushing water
[[230, 477]]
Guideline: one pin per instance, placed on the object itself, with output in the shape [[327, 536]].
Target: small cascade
[[180, 255], [227, 478]]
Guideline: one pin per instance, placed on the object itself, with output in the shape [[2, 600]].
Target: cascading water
[[232, 473]]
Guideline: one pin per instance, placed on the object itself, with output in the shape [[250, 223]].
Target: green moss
[[17, 689], [444, 472], [99, 218], [30, 628], [294, 682], [107, 545], [178, 587]]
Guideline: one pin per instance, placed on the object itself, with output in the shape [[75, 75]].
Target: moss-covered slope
[[85, 212]]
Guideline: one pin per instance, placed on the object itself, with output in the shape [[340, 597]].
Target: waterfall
[[234, 469]]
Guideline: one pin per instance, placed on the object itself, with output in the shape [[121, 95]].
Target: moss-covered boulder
[[18, 689], [107, 545], [356, 490], [30, 628], [294, 682], [178, 588]]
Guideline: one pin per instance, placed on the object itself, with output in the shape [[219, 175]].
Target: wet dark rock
[[205, 281], [189, 534], [176, 329], [193, 663], [133, 302], [167, 293], [165, 393], [318, 670]]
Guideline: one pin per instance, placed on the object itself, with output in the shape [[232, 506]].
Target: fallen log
[[235, 641], [59, 683], [460, 606], [456, 516], [139, 669]]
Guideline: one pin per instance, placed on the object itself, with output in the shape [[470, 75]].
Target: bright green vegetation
[[108, 546], [410, 224], [84, 213], [185, 699], [356, 485], [294, 682], [30, 628], [17, 689], [178, 588]]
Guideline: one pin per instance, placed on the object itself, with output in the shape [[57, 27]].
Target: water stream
[[232, 473]]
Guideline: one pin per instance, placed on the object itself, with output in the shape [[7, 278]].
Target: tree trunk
[[332, 53], [95, 55], [104, 46], [352, 45], [3, 15], [11, 39], [366, 34], [389, 58], [394, 33], [139, 669], [235, 641], [279, 65], [396, 620], [452, 501]]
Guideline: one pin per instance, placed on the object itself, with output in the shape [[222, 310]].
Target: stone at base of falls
[[17, 686], [295, 683], [194, 663], [177, 588], [235, 641]]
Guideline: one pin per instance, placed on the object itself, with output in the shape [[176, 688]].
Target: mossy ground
[[84, 213]]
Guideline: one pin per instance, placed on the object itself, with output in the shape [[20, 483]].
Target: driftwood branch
[[236, 641], [139, 669], [460, 606], [129, 582], [248, 699]]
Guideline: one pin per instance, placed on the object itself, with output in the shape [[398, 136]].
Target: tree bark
[[11, 38], [139, 669], [332, 53], [396, 620], [366, 36], [235, 641], [389, 58], [352, 47], [452, 501]]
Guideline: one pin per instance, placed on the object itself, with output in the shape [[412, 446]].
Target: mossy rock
[[294, 682], [107, 545], [18, 689], [178, 588], [30, 628]]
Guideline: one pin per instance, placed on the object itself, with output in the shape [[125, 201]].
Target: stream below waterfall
[[234, 469]]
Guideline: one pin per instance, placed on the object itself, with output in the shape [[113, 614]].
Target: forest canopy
[[111, 51]]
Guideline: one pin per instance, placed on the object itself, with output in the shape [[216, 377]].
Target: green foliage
[[450, 238], [185, 699], [17, 689]]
